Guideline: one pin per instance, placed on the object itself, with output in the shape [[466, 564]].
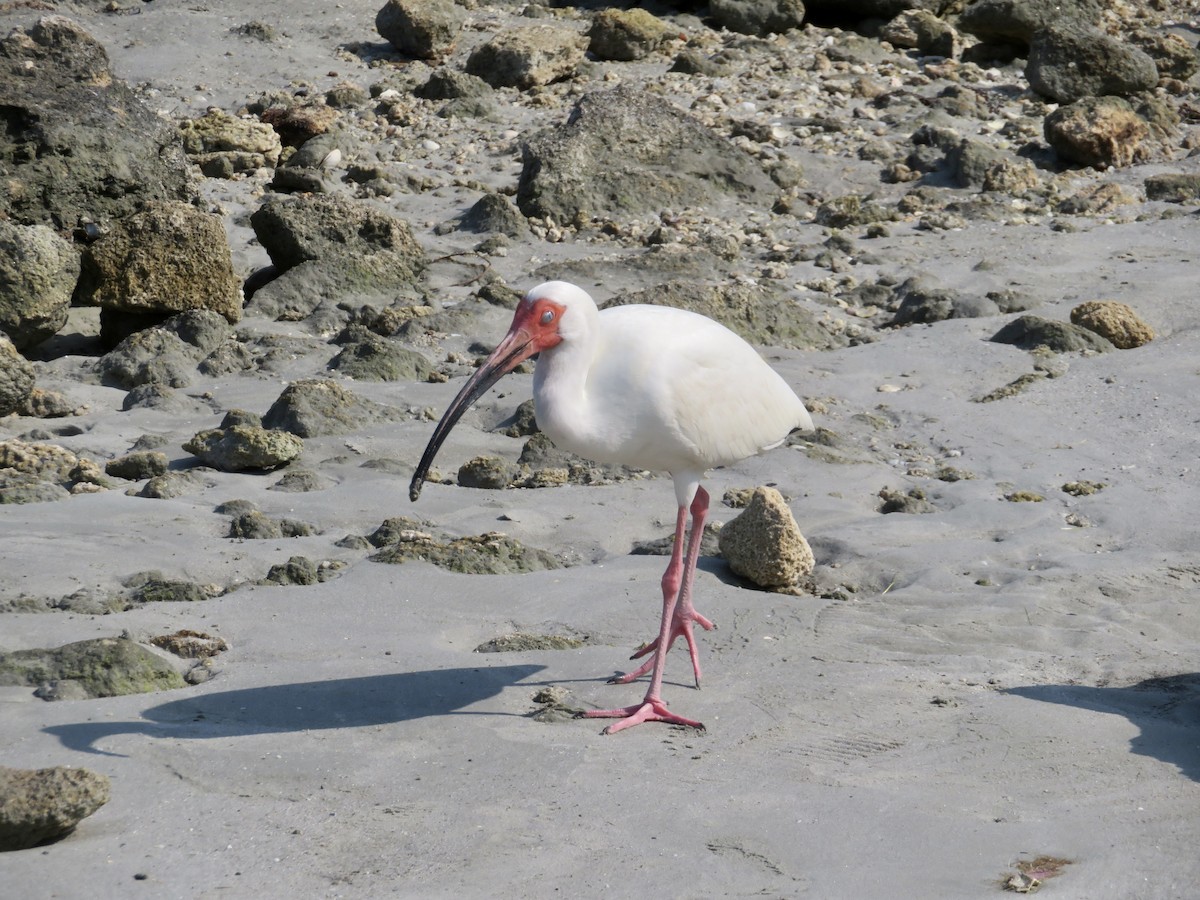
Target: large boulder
[[77, 144], [626, 152], [424, 29], [1067, 63], [167, 258], [758, 17], [42, 805], [38, 271], [16, 378], [528, 57], [1096, 131], [1015, 21]]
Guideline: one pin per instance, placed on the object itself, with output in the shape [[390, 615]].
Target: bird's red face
[[534, 329]]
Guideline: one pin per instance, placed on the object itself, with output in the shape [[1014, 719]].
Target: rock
[[239, 448], [1015, 21], [43, 404], [912, 501], [315, 407], [764, 543], [170, 485], [1173, 187], [625, 35], [1098, 199], [300, 122], [424, 29], [1116, 322], [65, 162], [529, 56], [973, 163], [487, 472], [451, 84], [920, 301], [522, 423], [1173, 56], [488, 554], [224, 146], [522, 642], [366, 356], [628, 152], [1029, 332], [253, 525], [42, 805], [167, 354], [1067, 63], [191, 644], [1096, 131], [16, 378], [150, 587], [38, 271], [102, 667], [924, 32], [752, 311], [371, 249], [166, 258], [758, 17], [297, 570], [301, 481], [495, 213]]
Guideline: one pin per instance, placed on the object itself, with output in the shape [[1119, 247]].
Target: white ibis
[[646, 386]]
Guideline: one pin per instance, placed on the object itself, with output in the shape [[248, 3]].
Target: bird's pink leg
[[676, 584], [685, 613]]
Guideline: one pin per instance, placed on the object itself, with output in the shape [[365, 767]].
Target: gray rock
[[366, 356], [529, 56], [924, 32], [625, 35], [924, 303], [64, 160], [1173, 56], [239, 448], [764, 543], [370, 249], [628, 152], [223, 145], [1067, 63], [315, 407], [424, 29], [138, 466], [1029, 332], [42, 805], [16, 378], [38, 271], [451, 84], [153, 356], [102, 667], [1097, 131], [1173, 187], [297, 570], [487, 472], [150, 587], [166, 258], [488, 554], [1015, 21], [495, 213], [759, 17], [301, 481]]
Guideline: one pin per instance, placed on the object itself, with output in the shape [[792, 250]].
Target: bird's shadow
[[307, 706], [1166, 709]]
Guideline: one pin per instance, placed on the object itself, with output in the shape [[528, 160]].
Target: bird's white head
[[547, 316], [554, 312]]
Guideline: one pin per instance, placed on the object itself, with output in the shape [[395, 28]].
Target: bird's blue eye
[[547, 317]]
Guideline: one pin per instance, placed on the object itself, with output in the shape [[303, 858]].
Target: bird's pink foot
[[681, 626], [646, 711]]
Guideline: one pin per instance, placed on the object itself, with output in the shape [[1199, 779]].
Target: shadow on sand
[[1166, 709], [310, 705]]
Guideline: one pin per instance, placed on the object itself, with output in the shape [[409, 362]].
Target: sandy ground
[[996, 686]]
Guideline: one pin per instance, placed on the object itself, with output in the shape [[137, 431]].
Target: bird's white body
[[659, 388], [647, 386]]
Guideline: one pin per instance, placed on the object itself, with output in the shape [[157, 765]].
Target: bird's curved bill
[[518, 345]]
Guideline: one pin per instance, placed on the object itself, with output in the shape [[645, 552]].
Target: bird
[[651, 387]]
